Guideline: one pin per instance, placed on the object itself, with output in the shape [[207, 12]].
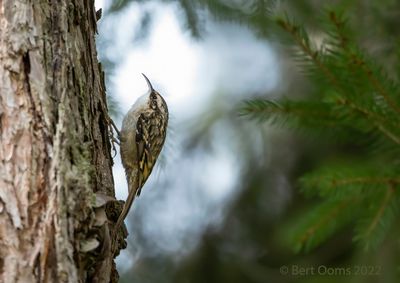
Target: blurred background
[[223, 198]]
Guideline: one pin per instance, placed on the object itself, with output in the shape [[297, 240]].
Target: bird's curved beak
[[148, 83]]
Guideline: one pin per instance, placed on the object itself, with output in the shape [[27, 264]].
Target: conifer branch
[[389, 134], [324, 220], [385, 202], [378, 86], [313, 55], [361, 63], [339, 27], [374, 119], [293, 30], [316, 114]]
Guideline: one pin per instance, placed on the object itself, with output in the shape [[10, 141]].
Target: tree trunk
[[55, 171]]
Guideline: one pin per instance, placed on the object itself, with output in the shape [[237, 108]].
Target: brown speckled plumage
[[142, 138]]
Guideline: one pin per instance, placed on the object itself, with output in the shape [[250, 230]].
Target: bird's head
[[154, 99]]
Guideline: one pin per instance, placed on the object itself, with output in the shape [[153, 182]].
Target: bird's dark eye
[[153, 96]]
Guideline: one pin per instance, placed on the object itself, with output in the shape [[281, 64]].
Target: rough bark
[[55, 171]]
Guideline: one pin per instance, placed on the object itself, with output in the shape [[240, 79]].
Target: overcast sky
[[185, 194]]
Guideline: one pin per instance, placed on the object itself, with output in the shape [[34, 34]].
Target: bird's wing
[[143, 151]]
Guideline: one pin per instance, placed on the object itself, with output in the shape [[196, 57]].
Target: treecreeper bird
[[141, 139]]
